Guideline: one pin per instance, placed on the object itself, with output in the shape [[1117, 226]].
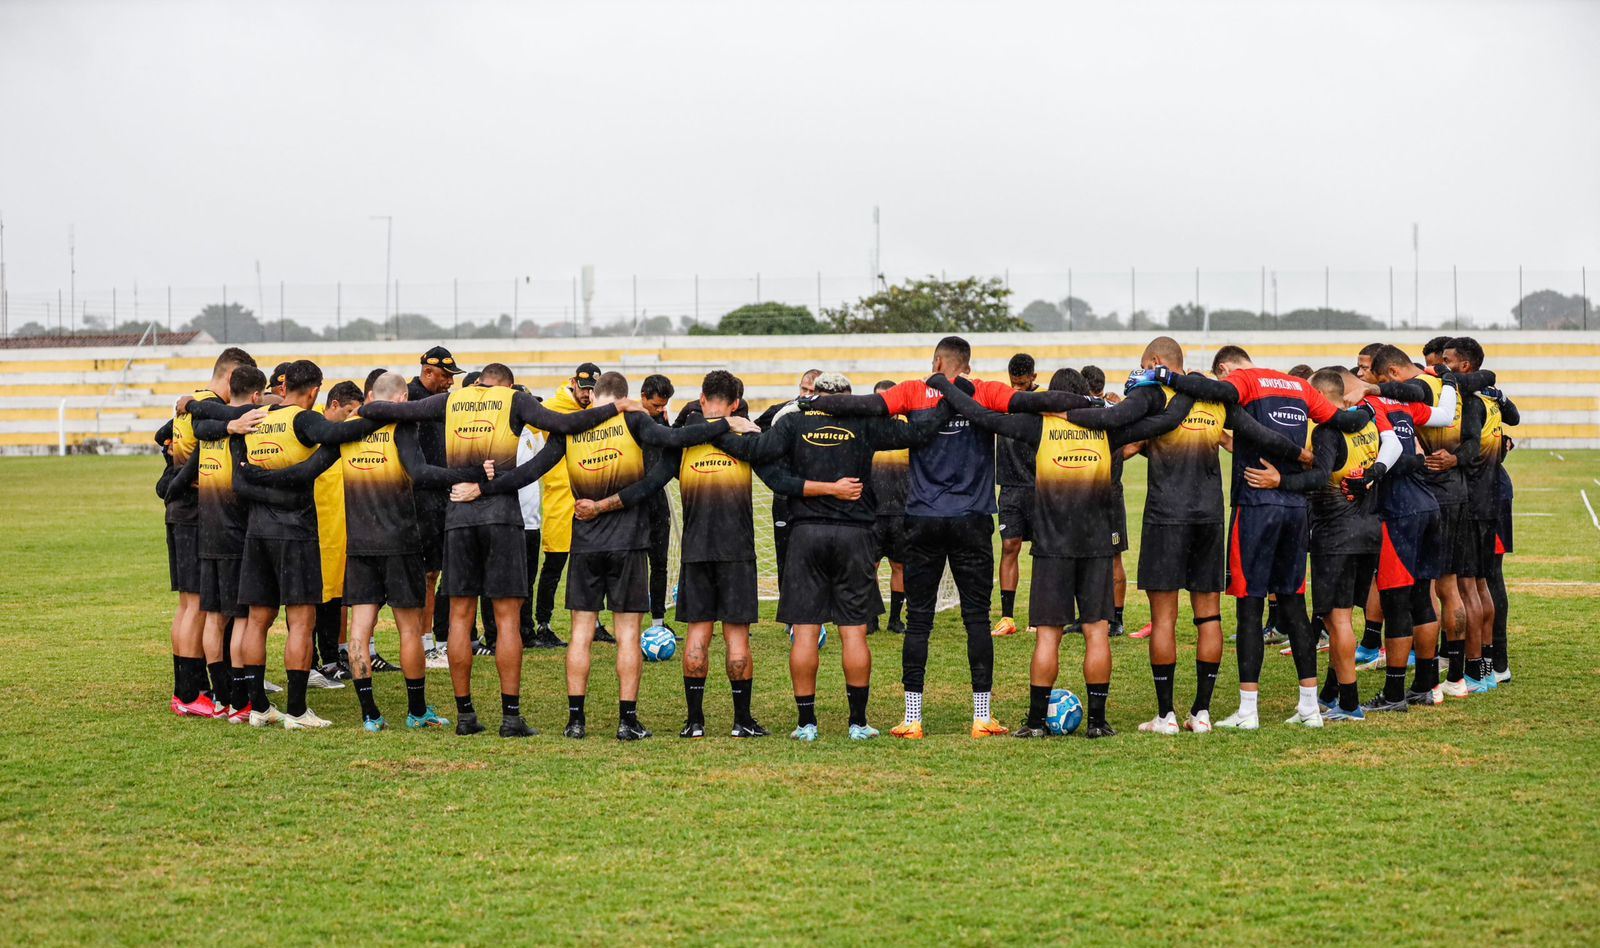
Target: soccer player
[[890, 471], [780, 503], [556, 508], [531, 500], [654, 393], [436, 375], [950, 511], [1346, 534], [1013, 471], [1268, 535], [609, 564], [1096, 378], [221, 524], [1503, 545], [1411, 556], [381, 474], [1488, 413], [329, 629], [1074, 539], [282, 562], [831, 569], [485, 551], [189, 658], [1445, 450], [1183, 517]]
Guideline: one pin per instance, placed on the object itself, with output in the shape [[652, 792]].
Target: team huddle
[[430, 499]]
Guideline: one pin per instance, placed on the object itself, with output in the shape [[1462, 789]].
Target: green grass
[[119, 823]]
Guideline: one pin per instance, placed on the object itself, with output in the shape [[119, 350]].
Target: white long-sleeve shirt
[[528, 497]]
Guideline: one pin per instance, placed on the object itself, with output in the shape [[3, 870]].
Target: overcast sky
[[187, 141]]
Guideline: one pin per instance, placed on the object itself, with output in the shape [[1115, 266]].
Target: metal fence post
[[1455, 296], [224, 314], [1519, 297]]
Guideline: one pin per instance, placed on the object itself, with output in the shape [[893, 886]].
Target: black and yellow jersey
[[1185, 476], [1459, 437], [274, 446], [604, 460], [718, 517], [1073, 494], [890, 471], [223, 516], [815, 446], [184, 507], [1482, 475], [382, 473], [1338, 525], [484, 423]]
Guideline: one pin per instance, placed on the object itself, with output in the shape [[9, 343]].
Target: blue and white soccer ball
[[822, 637], [658, 644], [1064, 713]]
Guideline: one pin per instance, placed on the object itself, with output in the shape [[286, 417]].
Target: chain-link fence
[[1263, 298]]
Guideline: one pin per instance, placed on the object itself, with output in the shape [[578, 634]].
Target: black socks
[[1038, 704], [1163, 677], [897, 601], [575, 713], [297, 691], [369, 705], [191, 678], [1205, 682], [464, 705], [1394, 683], [1456, 652], [1008, 602], [221, 680], [1373, 636], [742, 692], [806, 706], [510, 705], [694, 696], [1098, 694], [857, 695], [416, 697], [628, 712]]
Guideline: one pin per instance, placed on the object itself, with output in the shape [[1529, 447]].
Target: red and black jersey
[[953, 474], [1284, 404]]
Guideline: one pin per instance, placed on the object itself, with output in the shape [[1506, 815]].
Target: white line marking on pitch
[[1592, 518], [1558, 457], [1529, 513]]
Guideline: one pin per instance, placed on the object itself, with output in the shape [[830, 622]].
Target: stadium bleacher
[[111, 399]]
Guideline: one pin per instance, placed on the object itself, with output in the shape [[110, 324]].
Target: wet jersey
[[223, 516], [890, 471], [601, 462], [1403, 492], [1482, 475], [1449, 487], [953, 474], [1073, 492], [380, 508], [185, 507], [718, 522], [1339, 525], [1284, 404], [274, 446], [1013, 462], [1185, 475]]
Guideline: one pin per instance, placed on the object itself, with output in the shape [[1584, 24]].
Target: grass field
[[119, 823]]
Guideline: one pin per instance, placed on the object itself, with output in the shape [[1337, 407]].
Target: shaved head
[[1163, 350]]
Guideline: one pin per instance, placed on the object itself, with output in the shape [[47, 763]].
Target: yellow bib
[[603, 460], [216, 467], [1360, 452], [1494, 429], [1202, 427], [1439, 439], [477, 428], [183, 440], [273, 446], [329, 494], [707, 467], [1072, 454]]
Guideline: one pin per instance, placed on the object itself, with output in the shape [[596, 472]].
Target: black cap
[[440, 358], [586, 375], [279, 374], [470, 380]]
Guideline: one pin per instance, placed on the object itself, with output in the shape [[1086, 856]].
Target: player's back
[[1283, 404]]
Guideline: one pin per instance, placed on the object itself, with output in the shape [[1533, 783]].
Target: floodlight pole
[[388, 258]]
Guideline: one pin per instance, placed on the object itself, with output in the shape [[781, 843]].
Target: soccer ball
[[658, 644], [1064, 713], [822, 637]]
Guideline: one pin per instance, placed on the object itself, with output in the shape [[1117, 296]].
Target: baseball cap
[[587, 374], [440, 358]]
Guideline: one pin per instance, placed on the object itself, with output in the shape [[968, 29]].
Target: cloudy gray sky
[[185, 141]]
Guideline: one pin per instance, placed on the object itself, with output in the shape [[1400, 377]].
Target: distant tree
[[1189, 316], [33, 329], [498, 329], [1548, 309], [930, 305], [1141, 320], [231, 323], [1043, 316], [763, 319], [1322, 318]]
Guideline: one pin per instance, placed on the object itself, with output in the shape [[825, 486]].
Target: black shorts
[[1503, 541], [489, 559], [280, 573], [1267, 551], [1061, 583], [1455, 533], [1412, 552], [889, 535], [219, 587], [618, 577], [430, 524], [718, 592], [829, 575], [1176, 556], [397, 580], [1341, 580], [1480, 546], [1016, 513], [1119, 523], [183, 556]]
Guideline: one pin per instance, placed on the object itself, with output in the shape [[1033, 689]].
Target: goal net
[[767, 555]]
